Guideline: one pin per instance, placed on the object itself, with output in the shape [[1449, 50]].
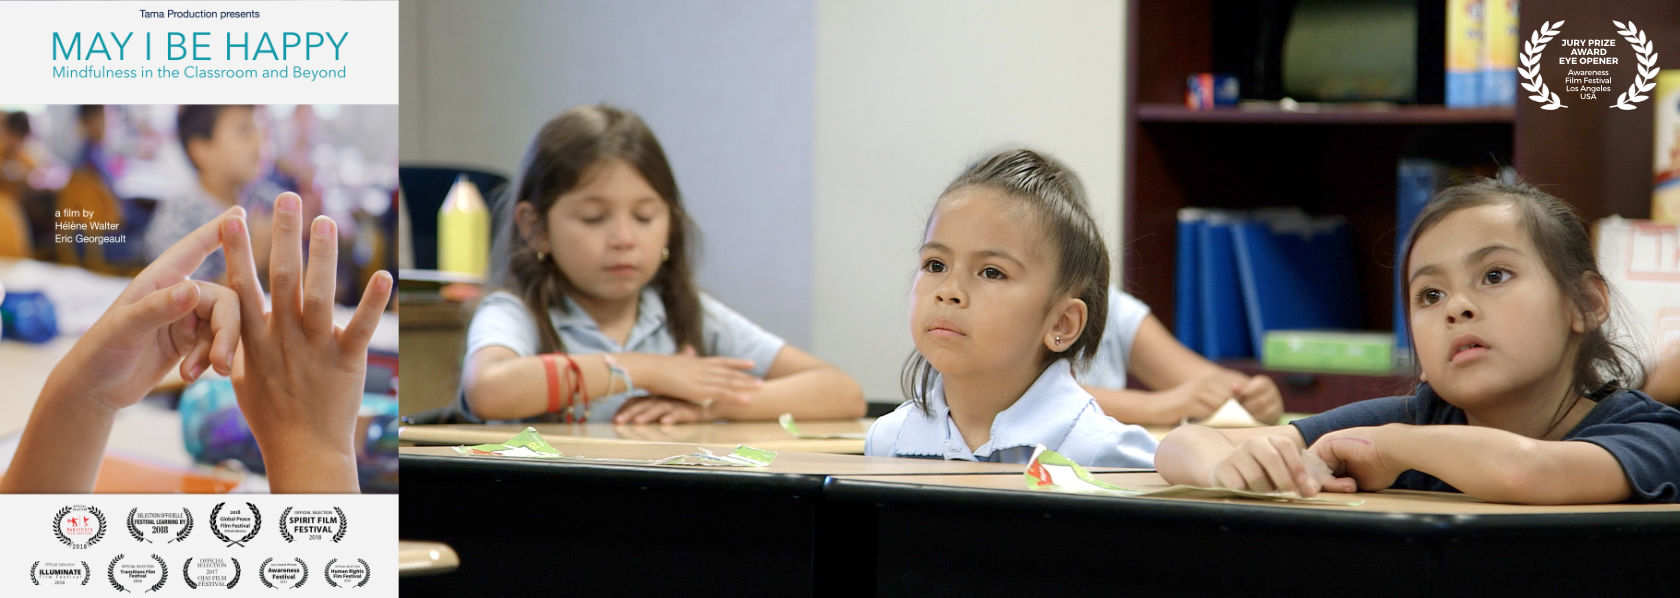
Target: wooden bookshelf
[[1342, 159]]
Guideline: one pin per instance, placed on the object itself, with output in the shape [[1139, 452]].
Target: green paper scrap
[[1050, 471], [787, 424], [529, 443]]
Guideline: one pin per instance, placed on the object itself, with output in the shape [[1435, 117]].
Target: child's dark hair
[[563, 151], [197, 121], [17, 123], [1057, 199], [1566, 249]]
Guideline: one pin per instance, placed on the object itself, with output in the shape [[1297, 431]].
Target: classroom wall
[[810, 137], [726, 85], [908, 94]]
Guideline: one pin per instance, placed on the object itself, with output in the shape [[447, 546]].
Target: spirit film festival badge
[[234, 524], [211, 572], [160, 527], [310, 525], [79, 526], [137, 574], [1609, 64], [44, 573], [282, 573]]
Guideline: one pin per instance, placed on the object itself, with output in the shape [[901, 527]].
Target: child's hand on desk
[[1197, 399], [661, 410], [1275, 464], [300, 380], [700, 379], [1355, 456], [158, 319]]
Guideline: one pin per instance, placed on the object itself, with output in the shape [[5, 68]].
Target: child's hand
[[158, 319], [1272, 464], [1197, 399], [300, 380], [1261, 398], [661, 410], [702, 379], [1355, 456]]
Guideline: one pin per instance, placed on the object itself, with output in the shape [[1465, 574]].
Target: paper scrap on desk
[[1229, 415], [1052, 472], [787, 424], [529, 443]]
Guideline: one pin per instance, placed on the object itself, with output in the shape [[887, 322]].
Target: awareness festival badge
[[1590, 67]]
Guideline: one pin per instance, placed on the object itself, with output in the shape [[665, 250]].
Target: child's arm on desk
[[159, 319], [501, 385], [1487, 463], [1260, 459]]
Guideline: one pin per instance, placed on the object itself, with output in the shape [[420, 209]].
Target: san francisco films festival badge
[[210, 572], [59, 574], [346, 574], [235, 525], [138, 573], [79, 526], [162, 527], [313, 524], [283, 574]]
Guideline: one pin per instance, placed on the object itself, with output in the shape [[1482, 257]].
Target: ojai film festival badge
[[280, 573], [346, 574], [211, 572], [63, 573], [137, 574], [235, 523], [160, 527], [1600, 65], [79, 526], [310, 525]]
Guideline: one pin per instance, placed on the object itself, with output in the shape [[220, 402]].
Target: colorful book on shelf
[[1187, 306], [1665, 191], [1464, 53], [1296, 272], [1328, 351], [1499, 52], [1224, 322]]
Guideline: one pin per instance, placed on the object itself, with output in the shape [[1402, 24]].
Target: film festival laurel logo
[[347, 575], [235, 522], [283, 574], [79, 526], [1591, 66], [164, 527], [210, 572], [313, 525], [60, 574], [138, 573]]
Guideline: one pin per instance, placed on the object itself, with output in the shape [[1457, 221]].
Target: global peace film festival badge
[[235, 525]]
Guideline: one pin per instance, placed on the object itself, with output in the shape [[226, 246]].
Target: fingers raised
[[242, 275], [285, 259], [321, 279]]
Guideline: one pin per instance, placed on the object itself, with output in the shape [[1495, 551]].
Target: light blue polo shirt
[[1108, 367], [1054, 412], [503, 320]]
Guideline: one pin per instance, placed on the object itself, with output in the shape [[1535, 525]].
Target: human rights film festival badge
[[138, 574], [160, 527], [44, 573], [79, 526], [1590, 63], [283, 574], [346, 574], [235, 525], [308, 525], [210, 572]]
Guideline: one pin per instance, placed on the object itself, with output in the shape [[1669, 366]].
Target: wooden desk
[[731, 531], [931, 530], [425, 558], [764, 435]]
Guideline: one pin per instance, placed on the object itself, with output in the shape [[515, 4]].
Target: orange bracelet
[[553, 383]]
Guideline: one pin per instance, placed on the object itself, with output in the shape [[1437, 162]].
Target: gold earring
[[665, 254]]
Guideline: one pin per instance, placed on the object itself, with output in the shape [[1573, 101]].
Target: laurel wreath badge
[[262, 573], [1530, 69], [1647, 66], [256, 525], [59, 532], [367, 573]]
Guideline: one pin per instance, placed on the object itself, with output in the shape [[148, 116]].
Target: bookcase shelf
[[1326, 114]]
